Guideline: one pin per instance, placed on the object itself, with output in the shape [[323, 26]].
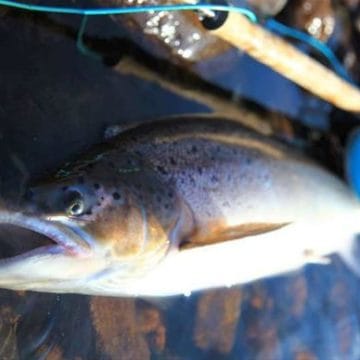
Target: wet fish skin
[[170, 207]]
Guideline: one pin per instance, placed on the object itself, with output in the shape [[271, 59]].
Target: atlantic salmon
[[178, 205]]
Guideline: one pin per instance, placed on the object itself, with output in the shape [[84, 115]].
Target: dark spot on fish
[[98, 204], [161, 169], [212, 158], [194, 149], [64, 188], [166, 206], [172, 161], [192, 180], [102, 198], [158, 199], [116, 196], [248, 161], [214, 179], [200, 170], [96, 186], [170, 194], [81, 179], [89, 212]]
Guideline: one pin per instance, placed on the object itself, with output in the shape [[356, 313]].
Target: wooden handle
[[285, 59]]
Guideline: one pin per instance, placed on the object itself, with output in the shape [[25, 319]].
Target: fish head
[[108, 218]]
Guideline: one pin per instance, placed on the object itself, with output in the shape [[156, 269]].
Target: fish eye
[[74, 203], [76, 209]]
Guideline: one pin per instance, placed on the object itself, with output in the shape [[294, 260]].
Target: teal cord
[[80, 43], [128, 10], [284, 30]]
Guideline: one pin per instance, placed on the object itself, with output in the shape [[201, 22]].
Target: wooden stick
[[285, 59], [220, 105]]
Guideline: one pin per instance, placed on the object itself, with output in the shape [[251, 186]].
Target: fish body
[[180, 205]]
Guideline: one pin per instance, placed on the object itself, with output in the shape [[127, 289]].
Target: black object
[[214, 22]]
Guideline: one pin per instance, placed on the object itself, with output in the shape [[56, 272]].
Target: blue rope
[[129, 9], [316, 44]]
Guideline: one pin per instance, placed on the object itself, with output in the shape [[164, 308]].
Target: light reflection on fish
[[179, 205]]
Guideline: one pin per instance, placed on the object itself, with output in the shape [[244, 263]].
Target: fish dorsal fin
[[230, 233]]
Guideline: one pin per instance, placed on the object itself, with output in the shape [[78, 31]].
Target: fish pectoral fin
[[221, 234]]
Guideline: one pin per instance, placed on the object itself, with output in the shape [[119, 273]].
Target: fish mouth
[[23, 236]]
